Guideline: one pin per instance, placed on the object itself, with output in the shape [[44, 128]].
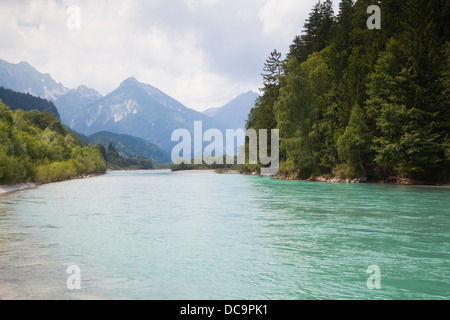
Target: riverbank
[[207, 171], [194, 171], [335, 179], [294, 176], [17, 187], [5, 189]]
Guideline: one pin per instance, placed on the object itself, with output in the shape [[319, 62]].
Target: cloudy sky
[[201, 52]]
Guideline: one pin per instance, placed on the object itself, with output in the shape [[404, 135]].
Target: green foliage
[[354, 145], [115, 161], [214, 166], [273, 69], [318, 31], [16, 100], [35, 146], [356, 102], [262, 115], [128, 146], [293, 112]]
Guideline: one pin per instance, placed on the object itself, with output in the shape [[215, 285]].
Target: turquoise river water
[[163, 235]]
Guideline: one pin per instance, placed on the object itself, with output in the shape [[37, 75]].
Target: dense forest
[[352, 102], [115, 161], [35, 146], [16, 100], [128, 146]]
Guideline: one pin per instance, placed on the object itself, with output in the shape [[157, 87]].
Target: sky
[[203, 53]]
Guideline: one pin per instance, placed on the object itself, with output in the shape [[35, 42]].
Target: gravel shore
[[17, 187]]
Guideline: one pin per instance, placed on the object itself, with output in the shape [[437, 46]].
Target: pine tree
[[317, 32], [326, 29], [344, 25], [356, 101], [273, 70], [261, 115], [405, 97]]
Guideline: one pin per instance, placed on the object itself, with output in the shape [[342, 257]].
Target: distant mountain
[[129, 146], [17, 100], [22, 77], [134, 108], [143, 111], [235, 113], [73, 103]]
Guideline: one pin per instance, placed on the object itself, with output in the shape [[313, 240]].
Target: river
[[162, 235]]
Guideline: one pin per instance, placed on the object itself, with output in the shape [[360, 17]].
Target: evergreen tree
[[359, 102], [293, 112], [344, 25], [326, 30], [354, 145], [317, 33], [261, 115], [273, 70], [406, 99]]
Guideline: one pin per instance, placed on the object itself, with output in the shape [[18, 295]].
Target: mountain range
[[71, 104], [140, 110], [134, 108], [22, 77], [235, 113]]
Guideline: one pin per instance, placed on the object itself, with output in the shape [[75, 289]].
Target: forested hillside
[[25, 101], [36, 147], [354, 102], [115, 161], [129, 146]]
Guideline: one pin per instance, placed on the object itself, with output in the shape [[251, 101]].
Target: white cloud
[[196, 3], [201, 52], [285, 17]]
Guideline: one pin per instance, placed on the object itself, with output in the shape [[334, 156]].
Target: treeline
[[353, 102], [36, 147], [25, 101], [208, 163], [128, 146], [115, 161]]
